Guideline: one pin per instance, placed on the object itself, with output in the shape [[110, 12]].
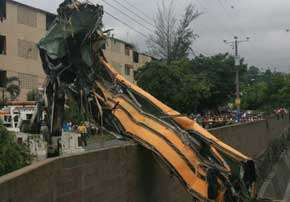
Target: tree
[[12, 86], [220, 72], [252, 75], [267, 92], [197, 85], [174, 84], [172, 39], [33, 95], [254, 96], [13, 156]]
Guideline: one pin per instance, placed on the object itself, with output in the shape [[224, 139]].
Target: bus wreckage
[[75, 66]]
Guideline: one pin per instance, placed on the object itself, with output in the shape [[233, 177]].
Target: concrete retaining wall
[[127, 173], [276, 183], [252, 139]]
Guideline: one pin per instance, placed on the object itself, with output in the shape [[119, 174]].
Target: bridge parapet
[[252, 138]]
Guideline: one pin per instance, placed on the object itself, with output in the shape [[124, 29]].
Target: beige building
[[24, 27], [19, 33], [124, 57]]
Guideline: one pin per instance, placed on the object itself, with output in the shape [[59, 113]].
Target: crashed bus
[[75, 66]]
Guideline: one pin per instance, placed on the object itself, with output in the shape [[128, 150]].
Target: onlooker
[[210, 120], [65, 127], [83, 131]]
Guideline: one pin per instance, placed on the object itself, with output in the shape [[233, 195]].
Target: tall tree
[[174, 84], [220, 71], [184, 34], [171, 38]]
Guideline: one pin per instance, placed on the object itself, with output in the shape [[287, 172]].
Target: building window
[[26, 16], [2, 45], [27, 49], [27, 81], [3, 77], [127, 50], [128, 69], [135, 57], [2, 10]]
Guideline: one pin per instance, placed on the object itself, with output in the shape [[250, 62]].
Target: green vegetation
[[33, 95], [73, 112], [12, 86], [266, 91], [208, 83], [13, 156]]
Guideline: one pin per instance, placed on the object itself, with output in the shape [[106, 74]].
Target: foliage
[[12, 86], [72, 112], [33, 95], [254, 95], [174, 84], [270, 90], [191, 85], [171, 38], [13, 156], [220, 71]]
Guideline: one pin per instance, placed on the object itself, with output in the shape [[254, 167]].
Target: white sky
[[264, 21]]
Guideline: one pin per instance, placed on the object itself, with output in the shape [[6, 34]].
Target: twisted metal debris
[[75, 66]]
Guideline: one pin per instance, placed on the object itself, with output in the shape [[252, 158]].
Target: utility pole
[[235, 45]]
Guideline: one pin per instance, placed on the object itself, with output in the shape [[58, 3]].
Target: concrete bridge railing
[[127, 173], [252, 138]]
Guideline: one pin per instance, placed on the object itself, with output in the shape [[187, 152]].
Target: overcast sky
[[264, 21]]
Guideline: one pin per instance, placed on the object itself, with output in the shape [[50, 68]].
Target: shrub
[[13, 156]]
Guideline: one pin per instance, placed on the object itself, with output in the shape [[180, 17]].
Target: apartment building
[[21, 30], [124, 58], [19, 33]]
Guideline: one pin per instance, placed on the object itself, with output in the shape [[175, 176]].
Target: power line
[[124, 23], [128, 16], [198, 50], [133, 6], [140, 17]]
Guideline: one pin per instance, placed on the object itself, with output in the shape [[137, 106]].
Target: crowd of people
[[281, 113], [211, 120]]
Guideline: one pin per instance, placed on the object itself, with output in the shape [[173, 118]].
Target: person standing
[[83, 131]]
